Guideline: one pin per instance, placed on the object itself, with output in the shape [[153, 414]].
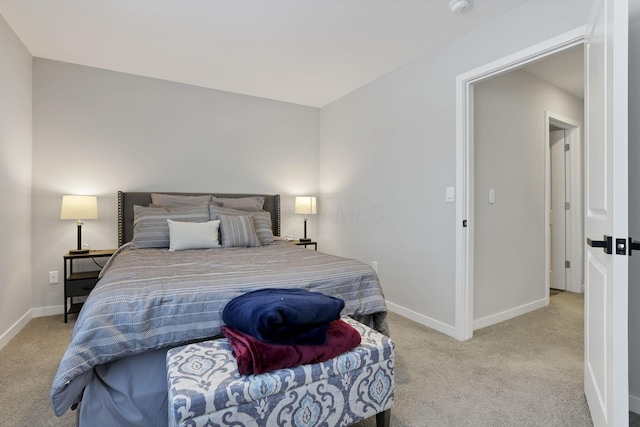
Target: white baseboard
[[634, 404], [48, 311], [15, 328], [423, 320], [508, 314]]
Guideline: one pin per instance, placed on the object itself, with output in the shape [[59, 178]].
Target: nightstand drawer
[[80, 284], [78, 288]]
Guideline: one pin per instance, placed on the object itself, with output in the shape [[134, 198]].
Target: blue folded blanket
[[283, 316]]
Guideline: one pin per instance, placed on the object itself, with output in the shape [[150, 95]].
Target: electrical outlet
[[53, 277], [374, 264]]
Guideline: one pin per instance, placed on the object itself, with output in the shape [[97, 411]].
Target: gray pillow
[[175, 200], [238, 231], [264, 227], [248, 204], [150, 228], [262, 221]]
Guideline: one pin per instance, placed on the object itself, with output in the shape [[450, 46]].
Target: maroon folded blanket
[[256, 357]]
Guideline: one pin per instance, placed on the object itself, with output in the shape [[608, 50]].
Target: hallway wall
[[509, 154]]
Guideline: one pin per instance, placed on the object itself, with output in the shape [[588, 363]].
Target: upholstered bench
[[205, 388]]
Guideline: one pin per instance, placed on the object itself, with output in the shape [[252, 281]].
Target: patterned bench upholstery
[[205, 388]]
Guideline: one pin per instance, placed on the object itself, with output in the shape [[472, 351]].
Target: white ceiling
[[308, 52]]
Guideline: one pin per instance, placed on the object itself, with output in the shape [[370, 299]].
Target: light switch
[[492, 196], [450, 194]]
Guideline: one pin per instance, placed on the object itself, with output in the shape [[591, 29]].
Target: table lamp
[[305, 205], [79, 208]]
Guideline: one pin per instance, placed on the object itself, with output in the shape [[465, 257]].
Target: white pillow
[[193, 235]]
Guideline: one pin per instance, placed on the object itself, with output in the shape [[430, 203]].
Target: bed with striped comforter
[[149, 299]]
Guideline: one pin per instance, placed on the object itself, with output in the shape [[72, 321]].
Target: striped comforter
[[148, 299]]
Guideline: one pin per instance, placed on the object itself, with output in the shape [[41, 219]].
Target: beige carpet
[[527, 371], [27, 366]]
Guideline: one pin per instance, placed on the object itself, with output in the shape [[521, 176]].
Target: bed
[[150, 298]]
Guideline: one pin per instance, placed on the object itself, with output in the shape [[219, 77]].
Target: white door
[[557, 223], [606, 214]]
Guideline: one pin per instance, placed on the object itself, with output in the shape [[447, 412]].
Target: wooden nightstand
[[80, 284], [305, 244]]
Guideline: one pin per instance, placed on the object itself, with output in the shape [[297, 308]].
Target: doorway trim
[[573, 132], [465, 168]]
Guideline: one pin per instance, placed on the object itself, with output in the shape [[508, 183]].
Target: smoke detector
[[459, 6]]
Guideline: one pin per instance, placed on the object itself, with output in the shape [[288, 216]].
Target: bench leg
[[383, 419]]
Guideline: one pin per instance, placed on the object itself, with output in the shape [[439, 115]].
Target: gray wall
[[388, 151], [15, 183], [510, 158], [634, 204], [96, 132]]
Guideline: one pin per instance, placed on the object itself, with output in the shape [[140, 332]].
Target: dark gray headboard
[[126, 201]]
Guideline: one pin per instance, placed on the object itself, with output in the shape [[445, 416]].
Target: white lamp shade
[[305, 205], [79, 207]]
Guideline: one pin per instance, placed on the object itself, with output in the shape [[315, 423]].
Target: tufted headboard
[[126, 201]]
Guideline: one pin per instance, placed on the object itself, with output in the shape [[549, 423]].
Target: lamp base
[[78, 251], [305, 240]]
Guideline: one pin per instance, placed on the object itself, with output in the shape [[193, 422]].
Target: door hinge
[[567, 206], [567, 264], [566, 147], [464, 222]]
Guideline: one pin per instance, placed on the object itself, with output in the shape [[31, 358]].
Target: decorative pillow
[[193, 235], [150, 228], [238, 231], [263, 225], [176, 200], [247, 204]]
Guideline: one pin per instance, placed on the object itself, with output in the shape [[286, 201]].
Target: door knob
[[606, 244], [633, 245]]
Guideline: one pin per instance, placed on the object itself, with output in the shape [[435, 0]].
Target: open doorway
[[565, 203], [511, 180], [476, 308], [558, 219]]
